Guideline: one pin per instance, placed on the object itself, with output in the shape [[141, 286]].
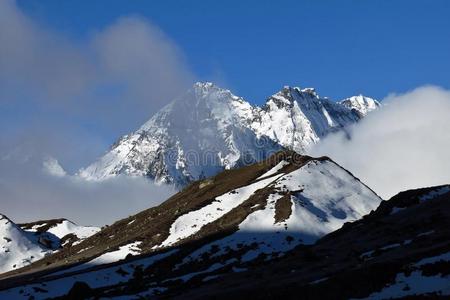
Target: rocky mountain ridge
[[232, 221], [287, 225]]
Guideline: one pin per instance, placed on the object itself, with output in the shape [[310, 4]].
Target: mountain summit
[[361, 104], [209, 129]]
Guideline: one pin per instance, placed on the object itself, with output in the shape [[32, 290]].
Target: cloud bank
[[70, 98], [128, 65], [404, 145], [32, 190], [92, 88]]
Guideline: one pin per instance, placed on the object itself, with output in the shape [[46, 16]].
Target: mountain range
[[208, 130], [255, 217]]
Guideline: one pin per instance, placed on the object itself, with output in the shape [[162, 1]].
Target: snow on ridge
[[21, 247], [361, 103], [17, 247], [417, 282], [67, 227], [274, 170], [113, 256], [323, 197], [332, 189], [192, 222]]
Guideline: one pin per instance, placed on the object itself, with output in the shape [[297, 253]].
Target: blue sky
[[76, 75], [255, 47]]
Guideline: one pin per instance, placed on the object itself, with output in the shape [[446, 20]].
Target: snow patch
[[435, 193], [190, 223]]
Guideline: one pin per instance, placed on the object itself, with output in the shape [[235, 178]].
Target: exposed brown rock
[[283, 208]]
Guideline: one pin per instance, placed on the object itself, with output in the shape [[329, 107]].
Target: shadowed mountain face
[[227, 223], [208, 130]]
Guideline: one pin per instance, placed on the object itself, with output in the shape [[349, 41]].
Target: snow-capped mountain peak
[[288, 95], [196, 135], [209, 129], [361, 103]]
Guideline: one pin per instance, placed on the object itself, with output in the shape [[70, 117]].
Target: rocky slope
[[208, 129], [228, 223], [399, 251]]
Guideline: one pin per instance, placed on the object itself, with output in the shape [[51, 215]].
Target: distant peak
[[361, 99], [287, 89], [213, 92], [203, 84], [361, 103], [311, 91], [288, 95], [207, 87]]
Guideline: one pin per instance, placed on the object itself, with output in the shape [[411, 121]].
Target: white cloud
[[128, 64], [51, 166], [68, 99], [110, 80], [404, 145], [29, 193], [138, 54]]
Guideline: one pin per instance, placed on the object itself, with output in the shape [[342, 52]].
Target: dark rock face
[[80, 290]]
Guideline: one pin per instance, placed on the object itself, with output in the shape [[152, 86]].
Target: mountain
[[67, 232], [401, 250], [22, 244], [298, 118], [208, 129], [17, 247], [227, 223], [362, 104]]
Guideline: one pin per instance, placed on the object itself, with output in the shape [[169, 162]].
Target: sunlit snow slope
[[21, 245], [17, 247]]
